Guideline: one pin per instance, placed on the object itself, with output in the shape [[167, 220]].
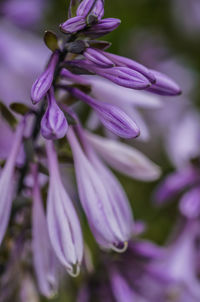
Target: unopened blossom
[[124, 158], [96, 57], [44, 82], [102, 28], [63, 224], [54, 124], [102, 198], [7, 186], [45, 262], [73, 25]]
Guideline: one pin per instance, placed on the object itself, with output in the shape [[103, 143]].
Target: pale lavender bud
[[63, 224], [175, 183], [45, 263], [85, 7], [164, 85], [98, 9], [122, 76], [124, 158], [54, 124], [122, 61], [190, 203], [103, 27], [102, 197], [73, 25], [7, 181], [97, 57], [45, 80], [112, 117]]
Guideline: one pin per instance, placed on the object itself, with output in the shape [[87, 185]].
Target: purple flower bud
[[45, 80], [122, 76], [175, 183], [43, 255], [54, 124], [164, 85], [124, 158], [73, 25], [102, 198], [63, 224], [122, 291], [190, 204], [111, 116], [98, 9], [97, 57], [74, 77], [103, 27], [6, 180], [122, 61], [85, 7]]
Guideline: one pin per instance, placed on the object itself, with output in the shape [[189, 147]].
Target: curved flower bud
[[85, 7], [175, 183], [45, 80], [63, 224], [190, 204], [111, 116], [73, 25], [43, 255], [164, 85], [6, 180], [98, 9], [122, 76], [98, 58], [103, 27], [103, 199], [124, 158], [54, 124]]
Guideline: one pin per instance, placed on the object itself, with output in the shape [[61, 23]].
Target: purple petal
[[98, 9], [190, 204], [164, 85], [73, 25], [63, 223], [103, 27], [54, 124], [45, 80], [98, 58], [85, 7]]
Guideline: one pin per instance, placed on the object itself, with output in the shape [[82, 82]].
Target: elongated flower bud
[[164, 85], [45, 80], [124, 158], [85, 7], [43, 254], [103, 27], [73, 25], [111, 116], [63, 223], [122, 61], [98, 58], [122, 76], [54, 124], [98, 9], [102, 198], [6, 181]]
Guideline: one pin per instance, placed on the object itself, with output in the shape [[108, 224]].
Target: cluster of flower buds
[[77, 65]]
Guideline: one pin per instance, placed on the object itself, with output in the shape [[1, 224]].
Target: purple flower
[[102, 198], [45, 80], [73, 25], [102, 28], [7, 180], [43, 255], [112, 117], [98, 9], [97, 57], [164, 85], [124, 158], [190, 203], [54, 124], [63, 224]]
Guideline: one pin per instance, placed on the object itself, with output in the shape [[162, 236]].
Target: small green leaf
[[51, 40], [20, 108], [7, 115]]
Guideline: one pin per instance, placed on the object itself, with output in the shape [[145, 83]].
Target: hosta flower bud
[[73, 25]]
